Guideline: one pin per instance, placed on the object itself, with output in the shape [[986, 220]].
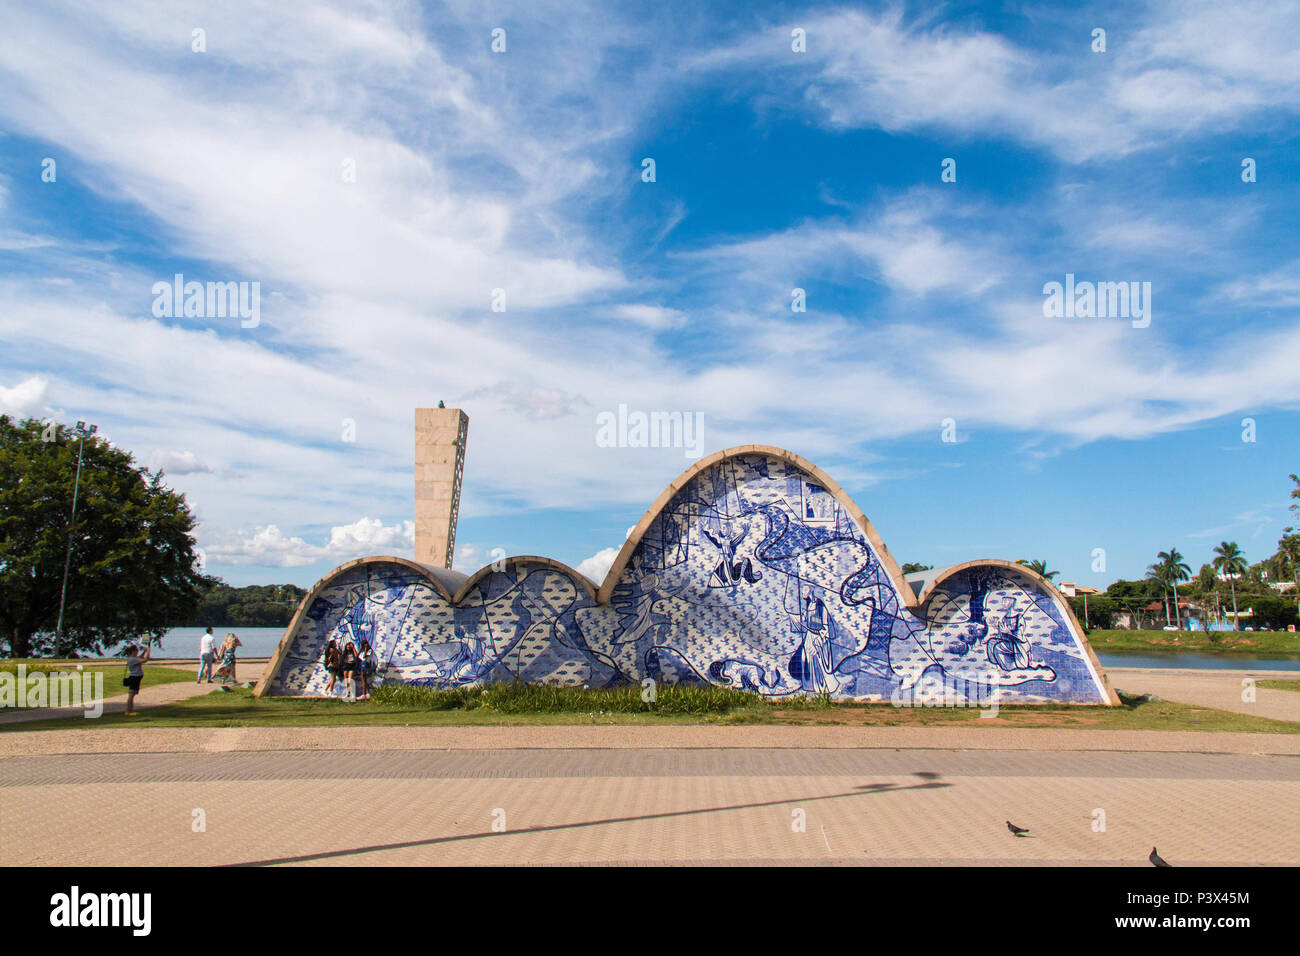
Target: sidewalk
[[653, 806], [148, 696], [633, 737], [1208, 688]]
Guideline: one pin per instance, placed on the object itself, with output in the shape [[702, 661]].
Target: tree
[[1207, 581], [1039, 566], [1098, 610], [1287, 558], [1133, 596], [1231, 563], [133, 568], [911, 567], [255, 605], [1159, 574], [1173, 570]]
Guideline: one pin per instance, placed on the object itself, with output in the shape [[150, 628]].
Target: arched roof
[[1033, 576], [487, 569], [454, 586], [924, 597], [771, 451]]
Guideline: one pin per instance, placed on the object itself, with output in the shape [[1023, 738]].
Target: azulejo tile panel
[[752, 576]]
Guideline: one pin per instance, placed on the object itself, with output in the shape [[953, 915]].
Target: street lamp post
[[83, 431]]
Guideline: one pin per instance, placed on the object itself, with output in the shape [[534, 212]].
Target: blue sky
[[774, 170]]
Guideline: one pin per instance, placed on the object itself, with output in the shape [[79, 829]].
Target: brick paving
[[683, 794], [632, 806]]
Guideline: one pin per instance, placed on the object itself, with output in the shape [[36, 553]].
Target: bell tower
[[440, 437]]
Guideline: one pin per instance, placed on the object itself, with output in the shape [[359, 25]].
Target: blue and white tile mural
[[752, 576]]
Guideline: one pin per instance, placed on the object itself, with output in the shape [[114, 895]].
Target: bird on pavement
[[1018, 831], [1156, 859]]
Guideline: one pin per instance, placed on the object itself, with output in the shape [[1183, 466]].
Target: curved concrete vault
[[753, 570]]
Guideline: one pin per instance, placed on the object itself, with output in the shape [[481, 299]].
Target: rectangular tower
[[440, 436]]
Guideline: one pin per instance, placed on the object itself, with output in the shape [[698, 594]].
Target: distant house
[[1070, 589]]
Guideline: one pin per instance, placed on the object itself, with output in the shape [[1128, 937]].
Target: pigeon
[[1156, 859], [1018, 831]]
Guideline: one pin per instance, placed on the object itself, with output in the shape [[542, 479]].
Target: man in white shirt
[[207, 656]]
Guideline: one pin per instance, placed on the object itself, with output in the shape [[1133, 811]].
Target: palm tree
[[1175, 571], [1288, 555], [1160, 575], [1038, 566], [1231, 563]]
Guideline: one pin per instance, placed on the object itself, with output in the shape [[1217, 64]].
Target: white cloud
[[268, 546], [1279, 288], [902, 242], [651, 316], [376, 294], [371, 536], [597, 566], [26, 399], [178, 463], [265, 546], [1183, 68]]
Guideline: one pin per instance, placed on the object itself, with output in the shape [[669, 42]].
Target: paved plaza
[[650, 805], [683, 794]]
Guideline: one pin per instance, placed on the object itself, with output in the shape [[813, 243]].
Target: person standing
[[134, 674], [332, 664], [350, 664], [367, 657], [207, 655], [227, 669]]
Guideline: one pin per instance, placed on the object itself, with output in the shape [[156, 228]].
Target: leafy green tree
[[133, 568], [1134, 596], [1098, 611], [1273, 613], [1288, 546], [255, 605], [1230, 562], [911, 567], [1207, 586], [1287, 559], [1038, 565]]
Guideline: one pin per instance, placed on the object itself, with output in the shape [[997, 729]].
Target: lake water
[[184, 641], [1183, 660]]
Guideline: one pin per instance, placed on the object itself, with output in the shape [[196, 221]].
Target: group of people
[[209, 654], [351, 666]]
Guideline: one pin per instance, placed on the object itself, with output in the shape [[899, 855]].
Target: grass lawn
[[1213, 642], [520, 705], [113, 671], [1279, 684]]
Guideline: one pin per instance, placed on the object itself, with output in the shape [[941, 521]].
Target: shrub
[[521, 698]]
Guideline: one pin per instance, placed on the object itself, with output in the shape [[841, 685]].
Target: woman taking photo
[[134, 674]]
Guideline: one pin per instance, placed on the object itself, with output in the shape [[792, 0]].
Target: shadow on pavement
[[861, 790]]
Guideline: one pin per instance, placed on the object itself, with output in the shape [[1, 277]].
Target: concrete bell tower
[[440, 437]]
